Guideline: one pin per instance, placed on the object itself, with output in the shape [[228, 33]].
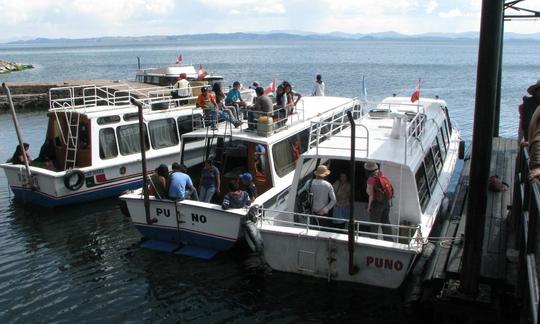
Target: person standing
[[342, 188], [318, 87], [323, 196], [179, 182], [181, 90], [210, 181], [378, 203], [526, 110], [290, 103]]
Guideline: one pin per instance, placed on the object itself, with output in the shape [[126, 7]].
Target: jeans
[[341, 212], [213, 113], [379, 214], [207, 193]]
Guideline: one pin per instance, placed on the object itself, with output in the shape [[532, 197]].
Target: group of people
[[335, 199], [529, 129], [178, 185]]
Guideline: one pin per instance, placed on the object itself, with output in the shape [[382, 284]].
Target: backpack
[[383, 188]]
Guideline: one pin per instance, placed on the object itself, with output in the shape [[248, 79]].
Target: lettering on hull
[[383, 263], [198, 218]]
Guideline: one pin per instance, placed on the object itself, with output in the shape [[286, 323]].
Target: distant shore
[[7, 67]]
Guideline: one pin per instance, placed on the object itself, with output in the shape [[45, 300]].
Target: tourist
[[378, 204], [526, 110], [181, 90], [281, 101], [534, 145], [290, 94], [318, 87], [46, 157], [158, 182], [220, 100], [235, 198], [210, 181], [296, 146], [178, 183], [246, 184], [263, 104], [342, 188], [234, 97], [208, 103], [323, 197], [19, 155], [260, 159]]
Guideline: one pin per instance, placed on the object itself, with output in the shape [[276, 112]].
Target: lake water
[[82, 263]]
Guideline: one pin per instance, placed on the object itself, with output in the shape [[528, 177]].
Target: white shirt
[[318, 89], [323, 194], [184, 89]]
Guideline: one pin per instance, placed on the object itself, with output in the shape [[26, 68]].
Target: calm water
[[82, 263]]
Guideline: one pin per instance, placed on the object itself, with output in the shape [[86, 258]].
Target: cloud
[[430, 6], [453, 13], [246, 7]]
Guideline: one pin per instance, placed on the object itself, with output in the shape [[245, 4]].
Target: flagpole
[[419, 85]]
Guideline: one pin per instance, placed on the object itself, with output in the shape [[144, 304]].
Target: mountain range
[[279, 35]]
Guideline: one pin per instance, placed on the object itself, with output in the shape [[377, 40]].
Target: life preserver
[[74, 185], [253, 237]]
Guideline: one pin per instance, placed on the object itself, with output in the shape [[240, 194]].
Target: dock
[[508, 289], [34, 96]]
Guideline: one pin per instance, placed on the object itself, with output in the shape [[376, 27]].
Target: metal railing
[[524, 220], [309, 222]]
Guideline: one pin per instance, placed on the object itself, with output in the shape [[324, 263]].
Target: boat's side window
[[107, 144], [108, 120], [447, 129], [285, 156], [163, 133], [431, 174], [184, 125], [128, 139], [423, 189], [437, 155], [442, 145], [443, 133]]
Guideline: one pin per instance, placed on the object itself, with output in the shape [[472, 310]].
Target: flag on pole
[[271, 88], [179, 59], [364, 87], [416, 94], [201, 74]]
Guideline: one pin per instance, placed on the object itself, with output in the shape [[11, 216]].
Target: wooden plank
[[455, 257]]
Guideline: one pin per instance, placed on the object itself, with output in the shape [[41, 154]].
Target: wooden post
[[486, 94], [353, 269]]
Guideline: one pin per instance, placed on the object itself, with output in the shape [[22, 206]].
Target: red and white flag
[[271, 88], [179, 59], [201, 74], [416, 94]]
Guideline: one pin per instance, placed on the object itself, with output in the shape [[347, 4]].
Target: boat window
[[444, 135], [442, 145], [131, 116], [184, 125], [108, 120], [107, 144], [284, 157], [437, 156], [163, 133], [423, 189], [447, 130], [128, 139], [431, 174]]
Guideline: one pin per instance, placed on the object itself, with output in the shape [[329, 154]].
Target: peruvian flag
[[271, 88], [202, 73], [416, 94], [179, 59]]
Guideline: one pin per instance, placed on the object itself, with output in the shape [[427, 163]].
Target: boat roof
[[174, 71], [375, 139], [312, 109]]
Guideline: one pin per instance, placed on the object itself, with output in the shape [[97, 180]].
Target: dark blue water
[[82, 263]]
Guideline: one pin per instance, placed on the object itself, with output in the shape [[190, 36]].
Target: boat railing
[[333, 125], [405, 234]]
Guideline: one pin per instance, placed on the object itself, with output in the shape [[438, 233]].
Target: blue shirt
[[178, 183], [209, 177], [232, 96]]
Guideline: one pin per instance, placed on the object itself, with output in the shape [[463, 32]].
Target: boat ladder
[[72, 119]]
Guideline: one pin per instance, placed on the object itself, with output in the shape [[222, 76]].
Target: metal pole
[[486, 95], [143, 163], [353, 269], [138, 63], [19, 135]]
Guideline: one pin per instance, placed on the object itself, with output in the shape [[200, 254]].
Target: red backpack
[[383, 188]]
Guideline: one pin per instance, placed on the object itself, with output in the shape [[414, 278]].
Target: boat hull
[[325, 255]]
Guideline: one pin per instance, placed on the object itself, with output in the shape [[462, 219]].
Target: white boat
[[92, 140], [166, 76], [416, 147], [205, 227]]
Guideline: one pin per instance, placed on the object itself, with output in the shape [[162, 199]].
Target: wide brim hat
[[371, 166], [322, 171], [532, 89]]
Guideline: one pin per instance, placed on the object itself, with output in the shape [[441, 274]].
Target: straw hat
[[532, 89], [322, 171], [371, 166]]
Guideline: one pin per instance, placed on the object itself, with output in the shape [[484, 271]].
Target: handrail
[[415, 240]]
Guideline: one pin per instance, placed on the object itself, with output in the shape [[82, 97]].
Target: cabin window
[[448, 131], [423, 189], [107, 144], [437, 156], [163, 133], [128, 139], [108, 120], [185, 124], [431, 174], [131, 116], [444, 135], [442, 145], [284, 157]]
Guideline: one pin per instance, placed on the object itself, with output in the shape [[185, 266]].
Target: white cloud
[[246, 7], [430, 6], [453, 13]]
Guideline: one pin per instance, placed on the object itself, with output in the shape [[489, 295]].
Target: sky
[[21, 19]]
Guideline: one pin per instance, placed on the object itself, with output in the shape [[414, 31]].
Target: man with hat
[[378, 206], [181, 90], [246, 184], [323, 196], [526, 110]]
